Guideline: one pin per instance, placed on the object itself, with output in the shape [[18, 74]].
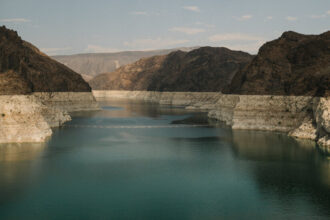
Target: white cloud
[[290, 18], [205, 25], [317, 16], [15, 20], [99, 49], [252, 47], [234, 37], [244, 17], [186, 30], [152, 44], [55, 50], [192, 8], [238, 41], [321, 15], [139, 13]]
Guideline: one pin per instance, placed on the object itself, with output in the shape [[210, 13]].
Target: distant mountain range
[[90, 65], [204, 69]]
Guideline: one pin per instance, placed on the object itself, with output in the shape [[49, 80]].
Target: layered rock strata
[[303, 117], [300, 116], [36, 92], [200, 100], [29, 118], [23, 118]]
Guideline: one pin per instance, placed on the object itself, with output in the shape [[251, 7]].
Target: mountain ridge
[[202, 69], [25, 69]]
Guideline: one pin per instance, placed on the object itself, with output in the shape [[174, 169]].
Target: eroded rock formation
[[205, 69], [36, 92], [294, 64]]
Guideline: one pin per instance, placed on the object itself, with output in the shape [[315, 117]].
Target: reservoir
[[134, 160]]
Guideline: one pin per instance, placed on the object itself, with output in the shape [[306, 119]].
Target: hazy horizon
[[75, 27]]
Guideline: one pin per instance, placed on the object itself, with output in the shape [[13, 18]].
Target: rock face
[[303, 117], [205, 69], [23, 118], [24, 69], [91, 64], [294, 64], [36, 92], [192, 100]]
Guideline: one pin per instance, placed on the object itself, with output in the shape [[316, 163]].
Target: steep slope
[[203, 69], [36, 92], [24, 69], [91, 64], [294, 64]]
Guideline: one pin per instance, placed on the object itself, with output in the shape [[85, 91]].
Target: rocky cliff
[[91, 64], [280, 89], [36, 92], [205, 69], [294, 64], [24, 69]]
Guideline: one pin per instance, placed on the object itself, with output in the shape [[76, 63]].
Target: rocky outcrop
[[24, 69], [68, 101], [90, 65], [294, 64], [36, 92], [300, 116], [205, 69], [29, 118], [23, 118]]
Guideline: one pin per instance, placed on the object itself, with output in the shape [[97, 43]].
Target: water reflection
[[167, 170], [18, 166], [285, 167], [131, 108]]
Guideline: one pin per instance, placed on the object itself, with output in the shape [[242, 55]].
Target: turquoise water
[[144, 161]]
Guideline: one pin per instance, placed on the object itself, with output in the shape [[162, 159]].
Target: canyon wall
[[304, 117], [300, 116], [200, 100], [29, 118]]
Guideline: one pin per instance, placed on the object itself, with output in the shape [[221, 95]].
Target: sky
[[89, 26]]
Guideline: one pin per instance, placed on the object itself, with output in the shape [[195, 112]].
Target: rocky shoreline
[[302, 117], [29, 118]]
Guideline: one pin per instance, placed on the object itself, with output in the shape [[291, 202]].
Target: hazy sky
[[80, 26]]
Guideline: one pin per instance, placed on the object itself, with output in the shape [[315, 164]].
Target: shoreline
[[30, 118], [302, 117]]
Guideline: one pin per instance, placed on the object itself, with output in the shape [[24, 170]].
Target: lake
[[136, 160]]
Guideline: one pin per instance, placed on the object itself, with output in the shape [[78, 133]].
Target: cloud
[[15, 20], [55, 50], [290, 18], [244, 17], [139, 13], [205, 25], [238, 41], [321, 15], [248, 47], [186, 30], [234, 37], [318, 16], [192, 8], [152, 44], [99, 49]]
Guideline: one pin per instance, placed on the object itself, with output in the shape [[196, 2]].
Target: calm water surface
[[143, 161]]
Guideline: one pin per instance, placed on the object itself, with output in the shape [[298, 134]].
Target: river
[[137, 160]]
